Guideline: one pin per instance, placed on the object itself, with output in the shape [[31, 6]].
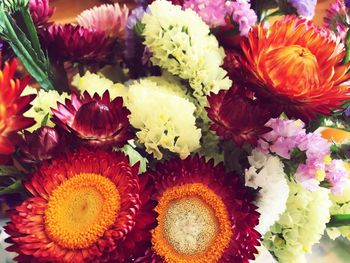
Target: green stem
[[275, 13], [347, 55], [339, 220]]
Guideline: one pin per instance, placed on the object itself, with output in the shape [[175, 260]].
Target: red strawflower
[[84, 206], [40, 11], [96, 120], [12, 106], [297, 66], [204, 215], [43, 144], [237, 116], [75, 43]]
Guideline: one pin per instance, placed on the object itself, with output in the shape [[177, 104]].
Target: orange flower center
[[292, 69], [193, 225], [81, 209]]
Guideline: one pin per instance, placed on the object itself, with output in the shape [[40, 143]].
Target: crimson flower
[[40, 11], [96, 120]]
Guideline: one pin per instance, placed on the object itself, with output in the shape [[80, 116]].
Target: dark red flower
[[87, 206], [237, 116], [204, 215], [43, 144], [76, 43], [96, 120], [40, 11]]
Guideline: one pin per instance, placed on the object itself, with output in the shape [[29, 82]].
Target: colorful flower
[[204, 215], [164, 117], [212, 12], [309, 76], [110, 126], [40, 11], [337, 176], [12, 107], [337, 19], [237, 117], [110, 19], [75, 43], [300, 226], [181, 43], [43, 144], [241, 12], [98, 193], [305, 8]]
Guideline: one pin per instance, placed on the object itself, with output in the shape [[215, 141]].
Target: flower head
[[12, 106], [300, 226], [337, 19], [164, 118], [110, 19], [309, 77], [237, 117], [337, 175], [42, 144], [241, 12], [40, 11], [95, 120], [98, 193], [212, 12], [204, 215], [305, 8], [75, 43]]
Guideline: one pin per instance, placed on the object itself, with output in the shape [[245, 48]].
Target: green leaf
[[6, 170], [14, 5], [339, 220], [134, 157], [16, 187], [35, 62]]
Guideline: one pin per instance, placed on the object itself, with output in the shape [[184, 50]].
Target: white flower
[[267, 173]]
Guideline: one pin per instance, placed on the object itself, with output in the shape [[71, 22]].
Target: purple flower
[[314, 145], [347, 3], [212, 12], [347, 111], [242, 14], [336, 175], [305, 8], [311, 173]]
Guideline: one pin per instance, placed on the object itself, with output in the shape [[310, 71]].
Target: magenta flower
[[40, 11], [241, 12], [212, 12], [337, 18]]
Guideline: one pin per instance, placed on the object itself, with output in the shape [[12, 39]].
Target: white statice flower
[[266, 172], [95, 83], [300, 226], [181, 43], [41, 106], [164, 119]]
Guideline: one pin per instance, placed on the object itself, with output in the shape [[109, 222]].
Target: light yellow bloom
[[41, 106], [164, 119]]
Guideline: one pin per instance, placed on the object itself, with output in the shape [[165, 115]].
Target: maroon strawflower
[[75, 43], [40, 11], [96, 120], [43, 144], [237, 116], [204, 215]]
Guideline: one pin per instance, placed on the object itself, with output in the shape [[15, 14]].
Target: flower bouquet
[[179, 131]]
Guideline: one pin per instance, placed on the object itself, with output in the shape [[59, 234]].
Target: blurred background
[[327, 251]]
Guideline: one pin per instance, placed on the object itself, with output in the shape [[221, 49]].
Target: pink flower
[[212, 12], [242, 14], [40, 11], [110, 19], [336, 175], [314, 145], [311, 173], [337, 18]]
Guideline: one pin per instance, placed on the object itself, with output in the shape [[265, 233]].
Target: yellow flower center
[[193, 225], [81, 209], [292, 68]]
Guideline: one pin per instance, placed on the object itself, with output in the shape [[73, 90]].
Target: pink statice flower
[[107, 18], [337, 18], [336, 175], [212, 12], [311, 173], [284, 136], [314, 145], [240, 11]]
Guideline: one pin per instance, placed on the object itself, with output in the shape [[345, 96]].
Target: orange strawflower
[[12, 106], [297, 66]]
